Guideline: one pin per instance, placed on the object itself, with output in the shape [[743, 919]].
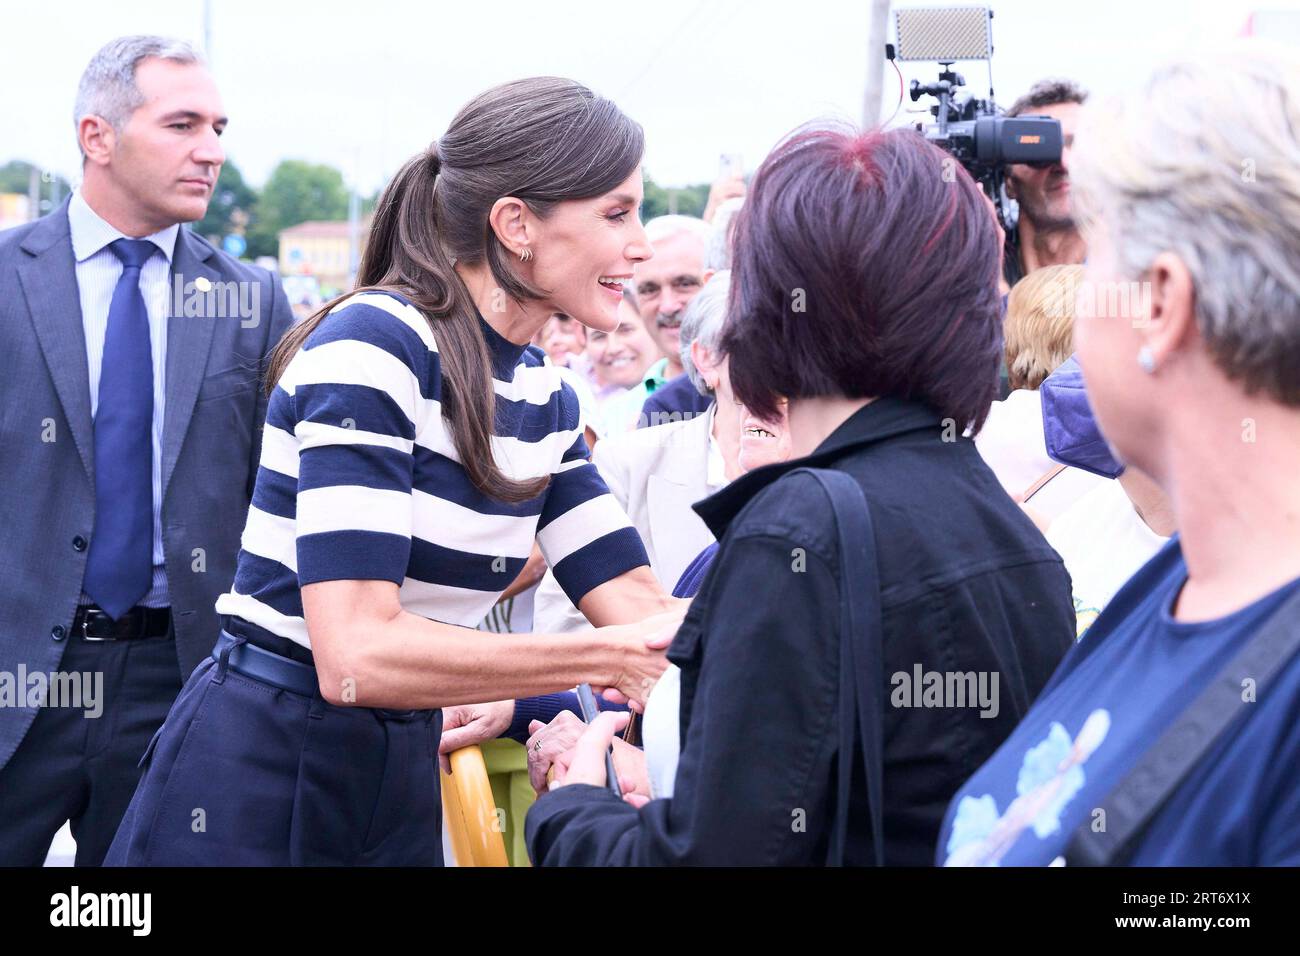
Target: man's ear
[[708, 274], [98, 139], [1170, 321], [1010, 181], [511, 220]]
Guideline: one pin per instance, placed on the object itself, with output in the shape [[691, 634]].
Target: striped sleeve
[[357, 398], [584, 534]]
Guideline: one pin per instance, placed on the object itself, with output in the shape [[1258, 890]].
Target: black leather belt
[[93, 624]]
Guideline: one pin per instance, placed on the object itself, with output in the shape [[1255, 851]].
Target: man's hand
[[472, 724]]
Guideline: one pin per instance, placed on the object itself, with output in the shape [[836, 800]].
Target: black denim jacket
[[970, 592]]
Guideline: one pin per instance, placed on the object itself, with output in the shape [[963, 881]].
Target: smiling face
[[620, 356], [1044, 194], [664, 286], [164, 161], [764, 442], [562, 337], [585, 251]]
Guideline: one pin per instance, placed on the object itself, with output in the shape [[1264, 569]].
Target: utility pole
[[207, 34], [33, 194], [874, 90], [354, 221]]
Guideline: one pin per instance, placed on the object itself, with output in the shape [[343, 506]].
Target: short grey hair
[[108, 87], [1203, 160], [702, 322], [665, 227]]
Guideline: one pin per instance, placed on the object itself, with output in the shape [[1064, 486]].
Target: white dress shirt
[[98, 270]]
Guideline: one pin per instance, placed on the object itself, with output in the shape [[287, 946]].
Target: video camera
[[973, 131]]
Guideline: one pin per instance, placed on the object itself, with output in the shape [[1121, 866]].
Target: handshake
[[558, 748]]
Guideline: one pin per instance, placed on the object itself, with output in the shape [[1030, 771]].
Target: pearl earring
[[1147, 360]]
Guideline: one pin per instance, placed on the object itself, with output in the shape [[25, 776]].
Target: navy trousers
[[82, 765], [243, 773]]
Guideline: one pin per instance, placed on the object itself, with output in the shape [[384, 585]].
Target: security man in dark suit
[[130, 424]]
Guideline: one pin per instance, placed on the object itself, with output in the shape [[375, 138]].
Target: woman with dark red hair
[[880, 614]]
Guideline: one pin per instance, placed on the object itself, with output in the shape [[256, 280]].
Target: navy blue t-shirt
[[1108, 702]]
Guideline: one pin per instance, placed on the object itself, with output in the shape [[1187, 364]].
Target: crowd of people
[[886, 535]]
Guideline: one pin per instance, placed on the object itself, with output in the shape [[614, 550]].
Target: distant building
[[15, 209], [321, 250]]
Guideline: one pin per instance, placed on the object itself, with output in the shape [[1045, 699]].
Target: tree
[[297, 192], [231, 197], [690, 200], [15, 177]]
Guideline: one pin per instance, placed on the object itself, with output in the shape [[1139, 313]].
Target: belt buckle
[[85, 623]]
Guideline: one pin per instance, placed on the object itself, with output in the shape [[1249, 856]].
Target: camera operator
[[1045, 234]]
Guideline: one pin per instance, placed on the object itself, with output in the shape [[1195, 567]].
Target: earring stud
[[526, 254], [1147, 360]]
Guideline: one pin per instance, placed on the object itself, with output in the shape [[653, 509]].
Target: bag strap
[[1038, 484], [861, 699], [1148, 785]]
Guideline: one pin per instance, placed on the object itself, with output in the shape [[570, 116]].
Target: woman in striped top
[[414, 449]]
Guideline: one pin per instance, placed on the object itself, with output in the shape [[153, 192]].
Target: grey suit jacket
[[211, 443]]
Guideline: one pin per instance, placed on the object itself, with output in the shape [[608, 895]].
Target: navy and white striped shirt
[[359, 479]]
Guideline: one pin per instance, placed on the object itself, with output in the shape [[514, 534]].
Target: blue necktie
[[119, 567]]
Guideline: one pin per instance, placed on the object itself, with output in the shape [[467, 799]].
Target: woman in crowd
[[1039, 330], [564, 340], [864, 292], [414, 449], [618, 357], [1198, 385]]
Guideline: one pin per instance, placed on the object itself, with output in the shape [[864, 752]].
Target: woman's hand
[[472, 724], [644, 659], [585, 763], [551, 746], [549, 741]]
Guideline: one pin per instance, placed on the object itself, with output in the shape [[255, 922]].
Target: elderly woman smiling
[[1192, 186]]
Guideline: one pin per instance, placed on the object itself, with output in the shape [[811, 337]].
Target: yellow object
[[473, 821]]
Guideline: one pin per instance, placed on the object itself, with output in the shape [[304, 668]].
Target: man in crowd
[[130, 435], [664, 284], [1045, 234]]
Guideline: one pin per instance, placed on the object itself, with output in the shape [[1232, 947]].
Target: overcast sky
[[363, 85]]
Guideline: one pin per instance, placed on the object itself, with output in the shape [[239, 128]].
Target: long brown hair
[[543, 140]]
